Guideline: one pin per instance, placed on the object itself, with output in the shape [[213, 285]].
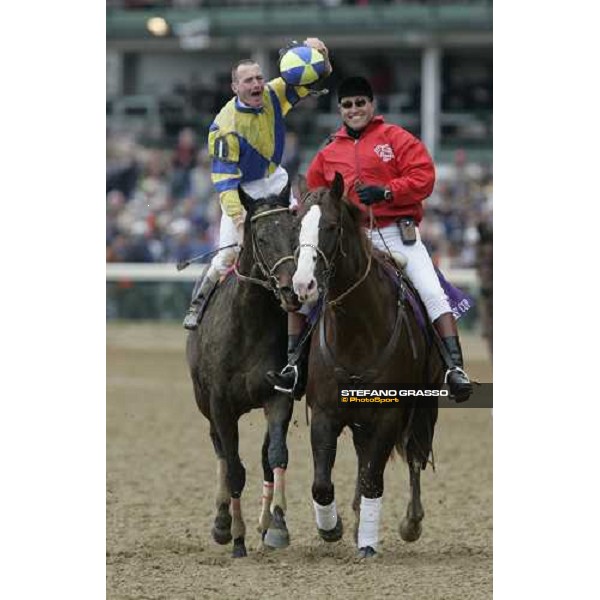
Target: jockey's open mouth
[[254, 98]]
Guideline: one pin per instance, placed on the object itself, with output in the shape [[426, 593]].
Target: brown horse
[[242, 335], [366, 335]]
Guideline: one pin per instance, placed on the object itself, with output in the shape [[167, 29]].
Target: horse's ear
[[245, 199], [337, 189], [284, 195], [302, 185]]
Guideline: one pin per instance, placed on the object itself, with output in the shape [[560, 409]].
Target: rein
[[371, 373], [337, 301], [342, 374], [270, 281]]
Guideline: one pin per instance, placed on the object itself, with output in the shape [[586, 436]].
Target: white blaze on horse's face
[[305, 282]]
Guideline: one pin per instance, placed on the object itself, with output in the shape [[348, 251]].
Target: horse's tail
[[414, 441]]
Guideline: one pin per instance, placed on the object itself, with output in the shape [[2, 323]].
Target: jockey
[[386, 167], [246, 142]]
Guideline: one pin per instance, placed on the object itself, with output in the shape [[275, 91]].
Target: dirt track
[[160, 485]]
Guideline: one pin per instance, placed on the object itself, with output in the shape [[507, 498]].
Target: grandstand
[[168, 74]]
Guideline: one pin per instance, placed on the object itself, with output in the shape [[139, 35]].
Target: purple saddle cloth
[[460, 302]]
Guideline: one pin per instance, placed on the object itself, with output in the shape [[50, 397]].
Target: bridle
[[270, 280], [342, 373], [330, 263]]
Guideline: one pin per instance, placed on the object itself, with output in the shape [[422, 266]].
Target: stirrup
[[294, 369], [455, 370]]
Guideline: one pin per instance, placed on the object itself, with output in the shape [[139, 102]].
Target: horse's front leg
[[323, 437], [221, 531], [374, 460], [278, 413], [228, 435], [410, 527], [264, 520], [361, 434]]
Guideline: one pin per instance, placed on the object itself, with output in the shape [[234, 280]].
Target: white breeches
[[260, 188], [224, 259], [419, 268]]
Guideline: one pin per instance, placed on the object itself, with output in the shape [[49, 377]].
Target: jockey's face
[[248, 84], [356, 111]]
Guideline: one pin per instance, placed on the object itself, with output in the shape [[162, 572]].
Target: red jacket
[[385, 155]]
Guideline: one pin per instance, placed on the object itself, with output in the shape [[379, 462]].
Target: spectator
[[184, 160]]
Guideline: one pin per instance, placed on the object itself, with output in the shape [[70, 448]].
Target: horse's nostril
[[311, 285]]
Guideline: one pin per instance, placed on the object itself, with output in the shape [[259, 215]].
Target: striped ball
[[302, 65]]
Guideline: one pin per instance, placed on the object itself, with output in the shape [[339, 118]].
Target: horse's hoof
[[221, 531], [221, 536], [410, 531], [262, 527], [277, 536], [366, 552], [239, 548], [335, 534]]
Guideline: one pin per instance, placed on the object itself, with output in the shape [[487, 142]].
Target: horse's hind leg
[[418, 449], [324, 434], [264, 520], [279, 413], [410, 527], [221, 531]]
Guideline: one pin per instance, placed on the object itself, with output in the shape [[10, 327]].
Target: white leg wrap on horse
[[326, 516], [279, 489], [265, 513], [222, 494], [238, 527], [368, 528]]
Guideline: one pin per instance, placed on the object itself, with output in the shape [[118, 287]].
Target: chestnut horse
[[367, 334]]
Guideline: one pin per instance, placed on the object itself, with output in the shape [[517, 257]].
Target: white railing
[[168, 272], [152, 272]]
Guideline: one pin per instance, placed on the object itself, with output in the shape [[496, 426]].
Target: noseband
[[330, 263], [318, 251], [270, 280]]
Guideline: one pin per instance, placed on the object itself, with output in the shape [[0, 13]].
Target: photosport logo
[[391, 394]]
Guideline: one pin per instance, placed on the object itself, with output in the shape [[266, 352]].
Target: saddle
[[394, 265]]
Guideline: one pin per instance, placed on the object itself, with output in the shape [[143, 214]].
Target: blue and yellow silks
[[247, 144]]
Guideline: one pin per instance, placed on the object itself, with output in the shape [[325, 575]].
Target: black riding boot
[[293, 377], [192, 317], [458, 381]]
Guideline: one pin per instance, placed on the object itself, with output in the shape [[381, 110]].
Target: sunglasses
[[350, 103]]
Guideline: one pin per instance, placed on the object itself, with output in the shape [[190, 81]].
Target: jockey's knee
[[436, 305], [225, 259]]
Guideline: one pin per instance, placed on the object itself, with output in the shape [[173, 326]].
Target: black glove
[[371, 194]]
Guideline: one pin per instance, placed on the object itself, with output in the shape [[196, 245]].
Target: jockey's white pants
[[419, 267], [260, 188]]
